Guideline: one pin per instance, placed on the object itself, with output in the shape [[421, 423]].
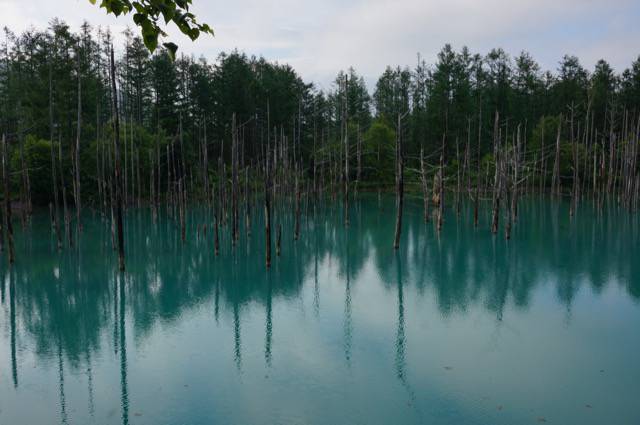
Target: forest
[[486, 127], [427, 233]]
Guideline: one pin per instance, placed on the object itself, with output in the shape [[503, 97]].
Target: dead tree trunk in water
[[234, 182], [346, 153], [7, 201], [67, 216], [27, 208], [458, 177], [76, 153], [497, 176], [116, 146], [205, 165], [181, 211], [279, 239], [359, 158], [516, 176], [267, 199], [216, 224], [441, 185], [425, 186], [296, 230], [476, 203], [508, 201], [555, 182], [54, 178], [574, 145], [399, 184], [247, 205]]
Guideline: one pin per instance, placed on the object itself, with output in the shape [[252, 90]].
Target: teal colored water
[[460, 328]]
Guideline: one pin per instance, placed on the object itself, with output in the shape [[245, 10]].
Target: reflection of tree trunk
[[115, 318], [2, 289], [348, 321], [124, 394], [216, 302], [63, 407], [12, 321], [269, 326], [400, 336], [90, 382], [316, 289], [237, 354]]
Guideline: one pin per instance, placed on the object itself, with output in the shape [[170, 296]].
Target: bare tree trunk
[[234, 182], [54, 178], [77, 152], [555, 181], [181, 197], [216, 230], [543, 180], [399, 184], [247, 206], [359, 153], [116, 145], [346, 153], [476, 203], [139, 181], [497, 176], [267, 197], [441, 185], [7, 201], [458, 177], [296, 230], [516, 173], [24, 174], [67, 215], [279, 239], [425, 186], [508, 202], [574, 149], [205, 171]]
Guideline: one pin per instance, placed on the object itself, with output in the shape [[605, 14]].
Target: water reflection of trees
[[68, 302]]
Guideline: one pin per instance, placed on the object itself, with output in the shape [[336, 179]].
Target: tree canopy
[[194, 100]]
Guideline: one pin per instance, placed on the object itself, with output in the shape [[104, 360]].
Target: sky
[[319, 38]]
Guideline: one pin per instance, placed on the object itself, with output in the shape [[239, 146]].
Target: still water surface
[[460, 328]]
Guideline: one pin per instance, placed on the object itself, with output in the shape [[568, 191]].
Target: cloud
[[320, 38]]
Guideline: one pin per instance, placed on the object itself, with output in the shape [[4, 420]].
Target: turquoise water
[[457, 328]]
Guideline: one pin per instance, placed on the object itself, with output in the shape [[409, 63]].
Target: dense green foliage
[[189, 104]]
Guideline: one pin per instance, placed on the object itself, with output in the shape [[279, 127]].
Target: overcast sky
[[321, 37]]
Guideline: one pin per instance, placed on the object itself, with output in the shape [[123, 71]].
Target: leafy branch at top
[[147, 14]]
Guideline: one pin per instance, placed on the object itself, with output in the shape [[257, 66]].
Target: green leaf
[[147, 14], [194, 33], [172, 48], [151, 41], [139, 18], [150, 35]]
